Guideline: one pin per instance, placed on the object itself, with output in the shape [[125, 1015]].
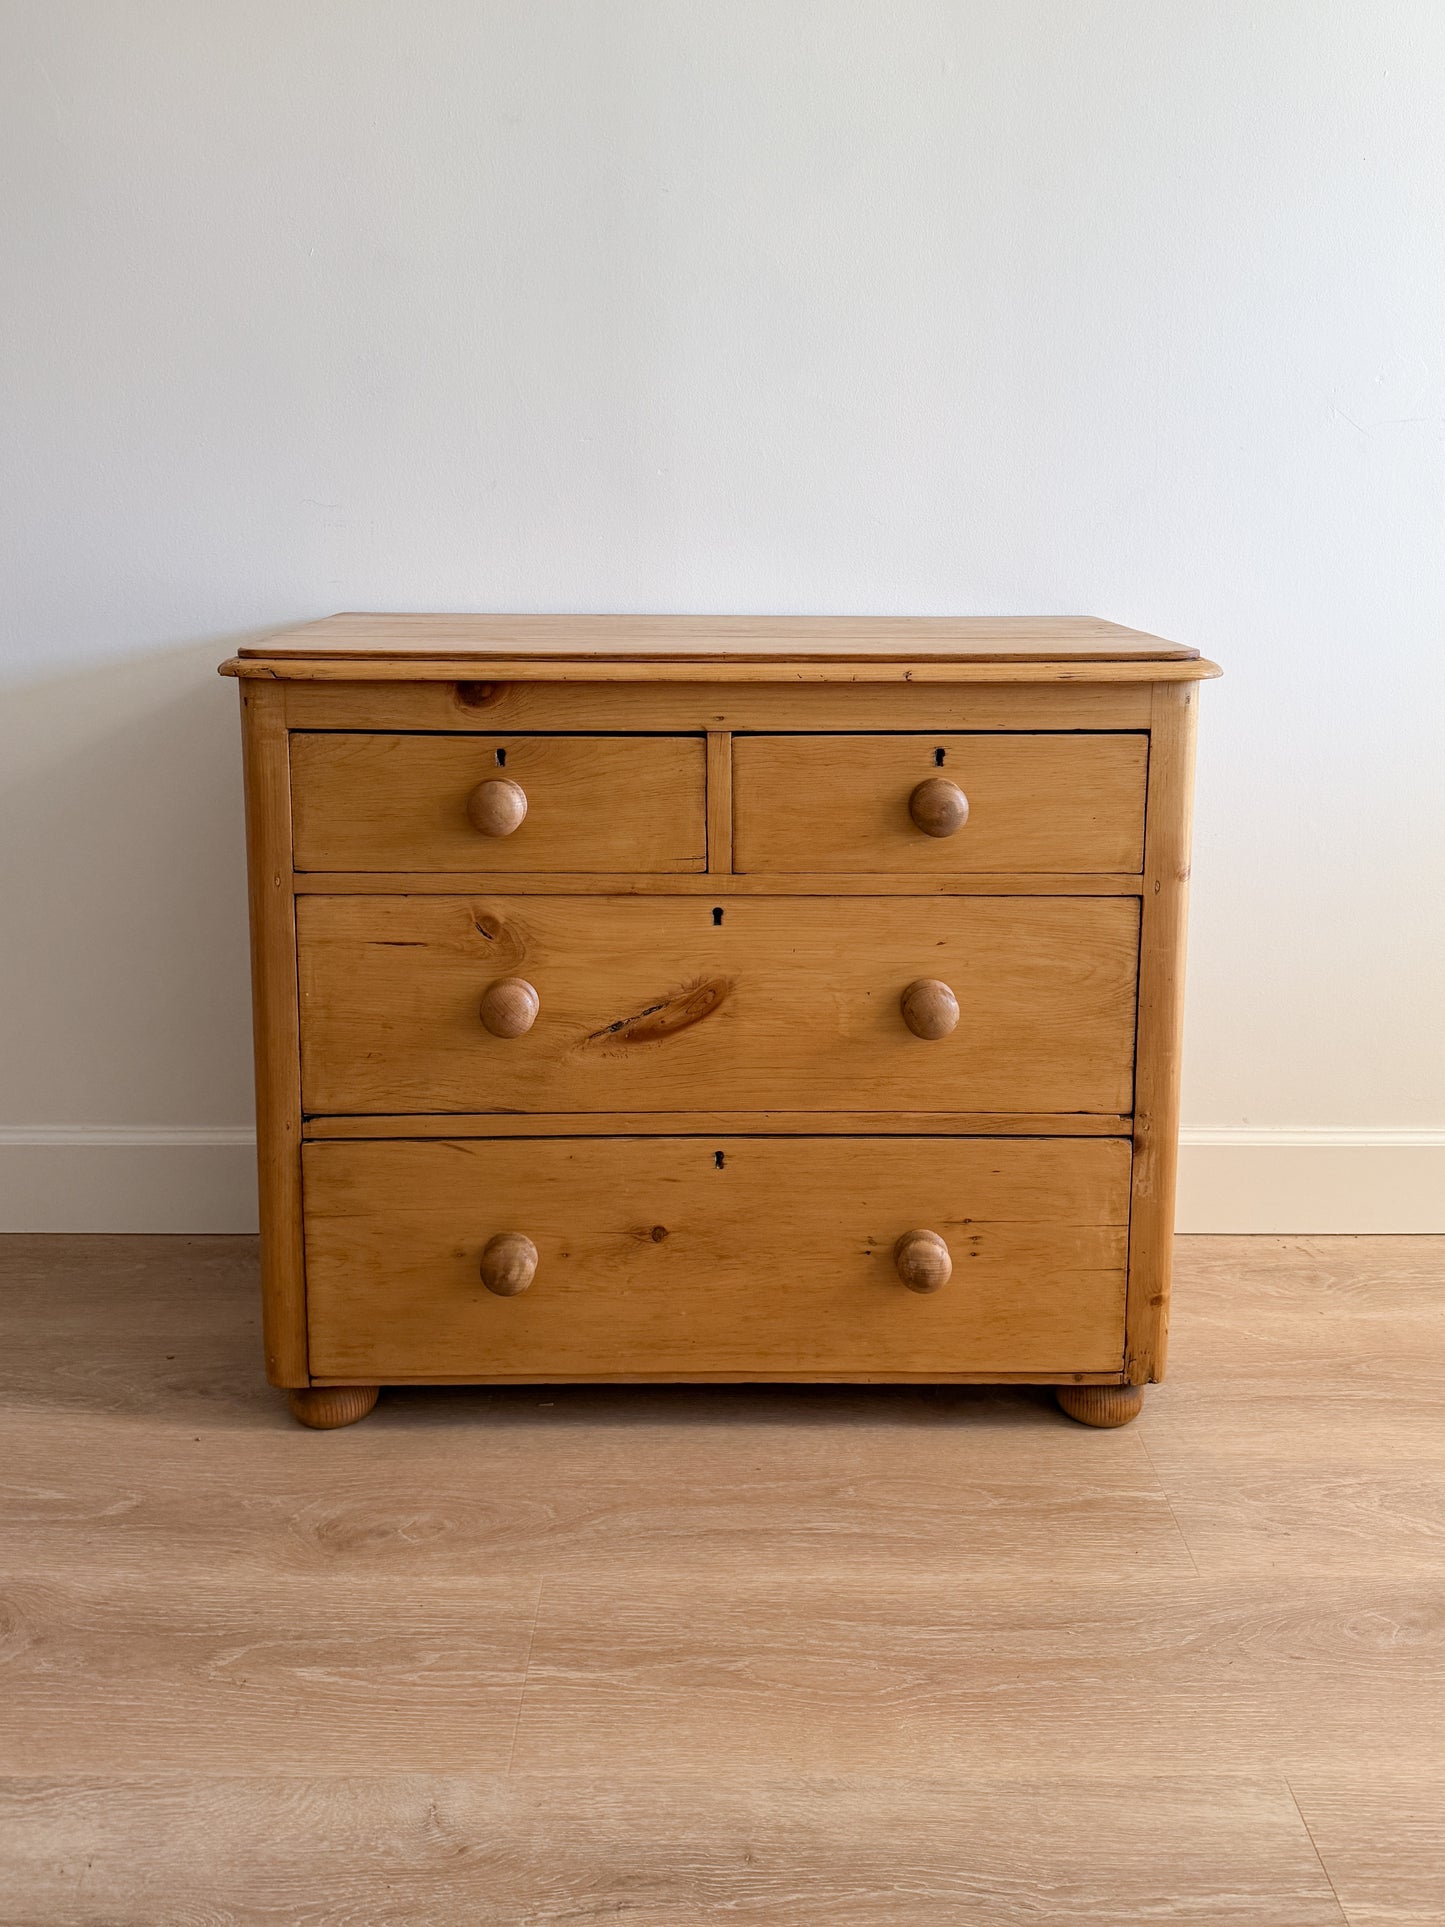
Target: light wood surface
[[449, 704], [509, 1263], [806, 1851], [934, 1375], [929, 1009], [396, 802], [647, 1003], [1034, 802], [509, 1007], [701, 669], [1160, 1031], [1012, 639], [1102, 1406], [580, 1002], [690, 1123], [728, 1254], [923, 1261], [274, 1029], [719, 802], [326, 1408], [937, 806], [1383, 1841], [497, 806], [847, 1656], [833, 883]]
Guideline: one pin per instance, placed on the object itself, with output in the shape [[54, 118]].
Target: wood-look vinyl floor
[[765, 1655]]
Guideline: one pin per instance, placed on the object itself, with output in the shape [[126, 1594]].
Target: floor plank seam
[[1309, 1834], [526, 1674], [1164, 1493]]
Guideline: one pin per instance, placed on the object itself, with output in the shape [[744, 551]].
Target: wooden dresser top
[[747, 648]]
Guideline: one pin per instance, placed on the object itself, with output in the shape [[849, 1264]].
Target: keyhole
[[717, 1159], [716, 917], [502, 758], [938, 759]]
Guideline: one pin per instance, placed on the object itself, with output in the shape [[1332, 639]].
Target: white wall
[[1113, 307]]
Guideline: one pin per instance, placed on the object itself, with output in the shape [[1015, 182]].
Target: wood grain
[[1306, 1422], [802, 996], [1035, 802], [719, 802], [727, 638], [508, 1007], [605, 1480], [508, 1263], [1318, 1511], [275, 1032], [1160, 1033], [190, 1673], [1382, 1840], [735, 1255], [589, 669], [774, 1651], [692, 1123], [761, 1852], [450, 704], [135, 1439], [864, 883], [937, 806], [326, 1408], [497, 806], [820, 1675], [923, 1260], [397, 802], [929, 1009], [1103, 1406]]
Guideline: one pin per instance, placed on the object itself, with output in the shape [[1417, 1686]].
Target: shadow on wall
[[122, 859]]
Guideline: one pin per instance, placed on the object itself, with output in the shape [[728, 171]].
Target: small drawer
[[657, 1003], [940, 805], [731, 1257], [507, 804]]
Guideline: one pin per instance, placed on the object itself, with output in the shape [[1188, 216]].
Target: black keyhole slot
[[938, 759], [716, 916], [501, 759], [717, 1160]]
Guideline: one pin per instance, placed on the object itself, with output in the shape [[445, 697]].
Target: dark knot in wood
[[677, 1012], [479, 695]]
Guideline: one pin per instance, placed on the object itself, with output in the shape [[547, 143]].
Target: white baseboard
[[1311, 1180], [140, 1178], [122, 1177]]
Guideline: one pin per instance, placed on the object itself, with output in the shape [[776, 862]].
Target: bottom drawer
[[744, 1257]]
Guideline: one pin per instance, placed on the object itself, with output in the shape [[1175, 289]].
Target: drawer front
[[1062, 804], [592, 803], [746, 1256], [669, 1003]]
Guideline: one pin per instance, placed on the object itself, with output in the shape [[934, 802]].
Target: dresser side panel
[[1159, 1035], [266, 755]]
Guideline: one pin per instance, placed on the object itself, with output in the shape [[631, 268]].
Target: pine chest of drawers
[[649, 998]]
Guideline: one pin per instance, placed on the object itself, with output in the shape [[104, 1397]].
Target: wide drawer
[[749, 1257], [1053, 803], [592, 803], [672, 1003]]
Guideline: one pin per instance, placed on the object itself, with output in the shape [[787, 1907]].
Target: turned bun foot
[[324, 1407], [1100, 1404]]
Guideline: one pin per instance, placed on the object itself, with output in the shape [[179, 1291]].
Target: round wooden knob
[[929, 1008], [497, 807], [923, 1261], [509, 1263], [509, 1006], [938, 807]]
